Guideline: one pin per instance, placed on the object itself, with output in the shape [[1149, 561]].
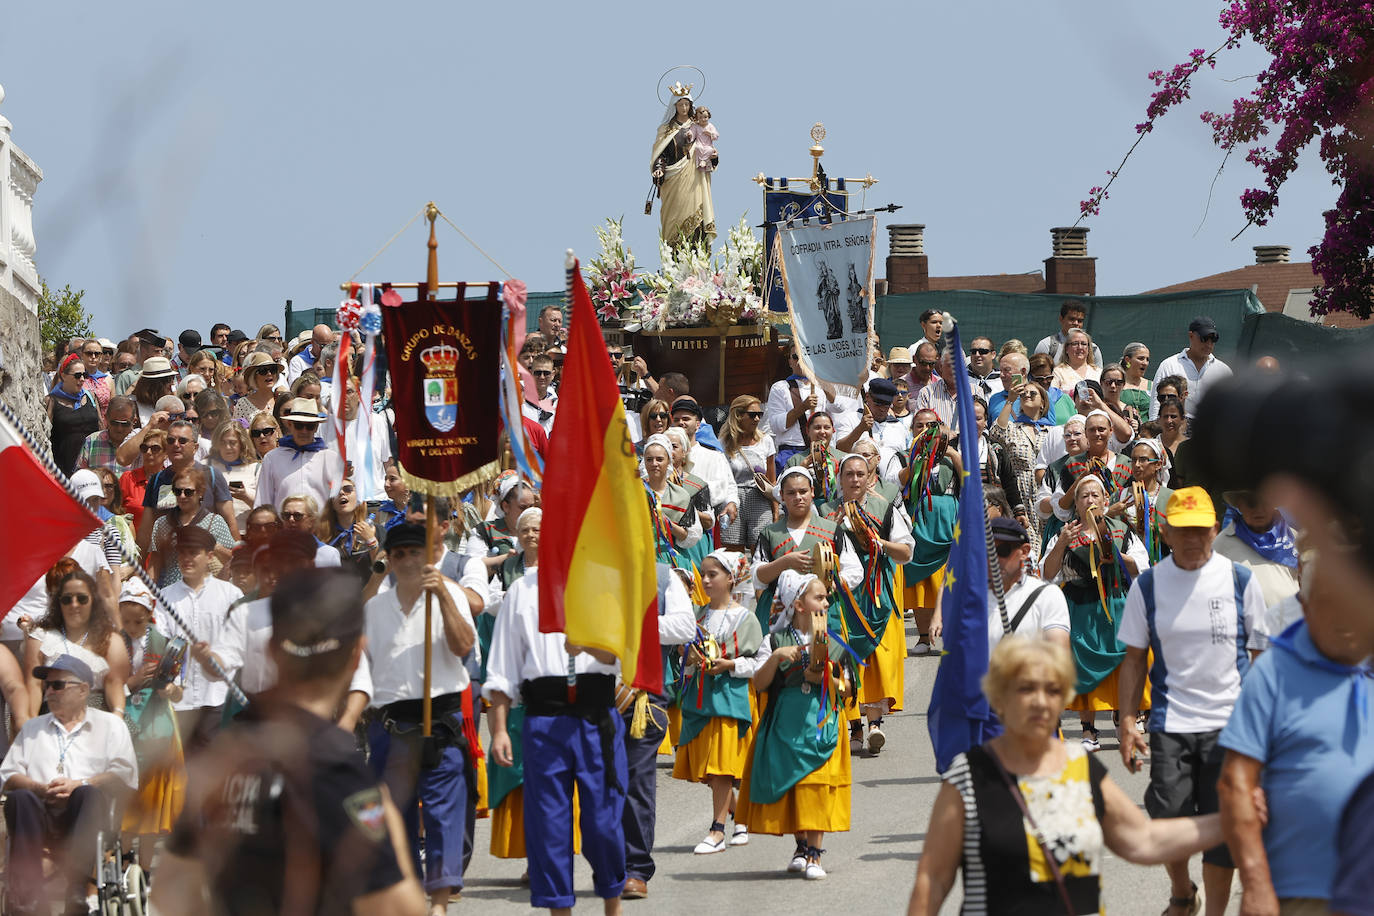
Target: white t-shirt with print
[[1198, 665]]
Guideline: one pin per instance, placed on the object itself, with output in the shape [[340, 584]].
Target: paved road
[[871, 868]]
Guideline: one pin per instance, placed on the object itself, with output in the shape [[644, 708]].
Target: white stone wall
[[21, 381]]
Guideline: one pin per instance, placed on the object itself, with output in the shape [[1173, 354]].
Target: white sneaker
[[876, 739], [1091, 744], [798, 863], [740, 837], [813, 872], [708, 846]]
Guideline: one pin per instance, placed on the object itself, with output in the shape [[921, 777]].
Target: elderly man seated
[[59, 776]]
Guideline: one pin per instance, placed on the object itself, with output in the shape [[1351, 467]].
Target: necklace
[[83, 638], [62, 748]]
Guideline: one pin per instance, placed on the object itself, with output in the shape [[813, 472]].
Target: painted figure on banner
[[828, 292], [686, 215], [441, 386], [858, 309]]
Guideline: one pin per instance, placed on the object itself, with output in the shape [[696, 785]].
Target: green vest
[[874, 596], [675, 503], [776, 541]]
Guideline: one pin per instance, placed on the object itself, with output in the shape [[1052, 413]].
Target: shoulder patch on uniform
[[366, 811]]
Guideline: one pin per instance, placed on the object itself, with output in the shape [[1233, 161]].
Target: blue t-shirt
[[1353, 890], [1307, 719]]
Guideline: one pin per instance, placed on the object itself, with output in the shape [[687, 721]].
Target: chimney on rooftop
[[1068, 269], [908, 267], [1272, 254]]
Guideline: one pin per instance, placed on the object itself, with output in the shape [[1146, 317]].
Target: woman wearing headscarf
[[1138, 501], [1094, 559], [714, 700], [676, 527], [797, 779]]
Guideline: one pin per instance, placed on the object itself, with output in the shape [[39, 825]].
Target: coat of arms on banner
[[441, 386]]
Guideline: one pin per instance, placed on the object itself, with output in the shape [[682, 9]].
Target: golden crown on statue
[[680, 91], [440, 360]]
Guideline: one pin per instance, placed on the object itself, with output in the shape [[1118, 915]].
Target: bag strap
[[1020, 800], [1025, 609]]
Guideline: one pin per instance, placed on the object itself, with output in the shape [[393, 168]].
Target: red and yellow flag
[[597, 581]]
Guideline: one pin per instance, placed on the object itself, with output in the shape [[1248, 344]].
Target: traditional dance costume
[[157, 745], [716, 713], [932, 500]]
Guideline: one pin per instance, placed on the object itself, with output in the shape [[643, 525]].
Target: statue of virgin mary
[[685, 215]]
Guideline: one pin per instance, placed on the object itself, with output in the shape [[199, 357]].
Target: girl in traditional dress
[[148, 712], [930, 482], [676, 528], [714, 699], [797, 779], [1094, 559], [697, 488], [1139, 500], [822, 460]]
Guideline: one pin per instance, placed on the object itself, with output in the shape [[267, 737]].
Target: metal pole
[[426, 703]]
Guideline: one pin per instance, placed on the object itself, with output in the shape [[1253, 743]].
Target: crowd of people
[[797, 531]]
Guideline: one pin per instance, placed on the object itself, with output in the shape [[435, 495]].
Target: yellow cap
[[1190, 507]]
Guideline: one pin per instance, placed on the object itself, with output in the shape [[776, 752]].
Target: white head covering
[[1156, 446], [135, 592], [677, 432], [791, 586], [1097, 412], [661, 441], [788, 472], [505, 486], [1077, 419], [736, 564]]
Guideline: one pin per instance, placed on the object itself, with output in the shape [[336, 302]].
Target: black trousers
[[31, 822], [641, 792]]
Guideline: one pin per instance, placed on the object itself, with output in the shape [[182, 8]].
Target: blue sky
[[208, 165]]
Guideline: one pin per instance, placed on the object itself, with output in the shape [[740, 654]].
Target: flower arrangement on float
[[691, 288]]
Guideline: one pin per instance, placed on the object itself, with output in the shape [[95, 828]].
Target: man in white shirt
[[1072, 314], [300, 463], [58, 778], [789, 403], [396, 641], [203, 603], [983, 373], [1196, 363], [707, 463], [878, 422], [1203, 617], [571, 735], [1034, 607]]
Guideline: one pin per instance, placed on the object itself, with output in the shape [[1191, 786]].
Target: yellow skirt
[[508, 825], [669, 746], [161, 795], [923, 593], [719, 749], [482, 810], [885, 677], [1104, 695], [819, 801]]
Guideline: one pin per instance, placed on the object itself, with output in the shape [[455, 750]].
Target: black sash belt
[[595, 704]]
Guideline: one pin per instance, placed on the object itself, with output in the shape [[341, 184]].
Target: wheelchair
[[121, 887]]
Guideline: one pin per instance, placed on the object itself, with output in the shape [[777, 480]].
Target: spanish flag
[[597, 581]]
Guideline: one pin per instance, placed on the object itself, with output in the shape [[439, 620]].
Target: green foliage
[[61, 316]]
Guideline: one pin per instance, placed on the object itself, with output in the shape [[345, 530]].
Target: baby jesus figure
[[704, 135]]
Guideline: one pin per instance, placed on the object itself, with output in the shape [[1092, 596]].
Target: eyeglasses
[[659, 415], [754, 414], [59, 685], [1113, 382], [268, 370], [262, 431], [179, 440], [184, 491], [274, 337], [980, 351], [74, 599], [293, 516], [94, 354], [929, 363], [616, 355], [191, 418], [121, 422], [1210, 338]]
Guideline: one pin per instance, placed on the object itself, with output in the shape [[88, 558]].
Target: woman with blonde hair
[[654, 418], [233, 455], [1076, 361], [1025, 816], [750, 451], [260, 374]]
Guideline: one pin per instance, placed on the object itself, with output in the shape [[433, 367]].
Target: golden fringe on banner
[[450, 487]]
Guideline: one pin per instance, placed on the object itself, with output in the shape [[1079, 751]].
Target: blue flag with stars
[[959, 717]]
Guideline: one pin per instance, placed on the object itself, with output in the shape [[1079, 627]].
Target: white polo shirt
[[206, 612], [99, 744], [245, 647], [1049, 612], [396, 648], [1199, 657]]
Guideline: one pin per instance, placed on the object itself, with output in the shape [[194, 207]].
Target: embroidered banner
[[444, 357], [785, 204], [827, 271]]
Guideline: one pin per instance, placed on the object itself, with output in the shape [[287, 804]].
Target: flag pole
[[431, 522]]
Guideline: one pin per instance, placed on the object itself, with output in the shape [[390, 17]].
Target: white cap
[[87, 484]]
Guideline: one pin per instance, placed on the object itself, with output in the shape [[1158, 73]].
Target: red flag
[[597, 581], [52, 523]]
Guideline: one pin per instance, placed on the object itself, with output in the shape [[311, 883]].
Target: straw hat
[[157, 367]]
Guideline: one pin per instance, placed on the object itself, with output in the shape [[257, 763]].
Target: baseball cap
[[66, 664], [151, 337], [405, 535], [195, 537], [87, 484], [236, 336], [1190, 507], [1202, 326], [1008, 530], [189, 338], [687, 403], [882, 390]]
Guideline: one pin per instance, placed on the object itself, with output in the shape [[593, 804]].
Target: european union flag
[[959, 717]]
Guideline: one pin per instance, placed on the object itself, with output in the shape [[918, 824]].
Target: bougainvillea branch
[[1319, 86]]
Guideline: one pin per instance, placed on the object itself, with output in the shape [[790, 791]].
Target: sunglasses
[[659, 415], [980, 351], [150, 447], [293, 516], [1211, 338], [346, 491], [1042, 379], [179, 440], [184, 491], [542, 373], [262, 431], [1113, 382], [616, 355], [59, 685], [276, 337], [268, 370], [108, 487], [754, 414], [305, 426], [77, 374], [94, 354], [929, 363], [74, 599]]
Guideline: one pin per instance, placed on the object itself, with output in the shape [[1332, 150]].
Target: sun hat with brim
[[151, 337], [300, 342], [157, 367], [107, 344], [1190, 507], [66, 664], [899, 355], [303, 410], [256, 361]]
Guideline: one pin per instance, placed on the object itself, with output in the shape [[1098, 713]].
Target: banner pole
[[431, 523]]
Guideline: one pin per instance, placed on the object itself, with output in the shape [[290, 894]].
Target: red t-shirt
[[132, 485]]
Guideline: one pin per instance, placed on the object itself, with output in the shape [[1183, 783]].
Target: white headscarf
[[662, 441], [791, 586], [1156, 446], [788, 472], [736, 565]]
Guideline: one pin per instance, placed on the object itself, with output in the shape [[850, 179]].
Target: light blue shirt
[[1307, 719]]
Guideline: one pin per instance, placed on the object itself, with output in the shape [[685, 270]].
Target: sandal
[[1191, 905]]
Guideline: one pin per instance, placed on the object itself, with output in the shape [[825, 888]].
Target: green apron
[[721, 695], [1097, 651]]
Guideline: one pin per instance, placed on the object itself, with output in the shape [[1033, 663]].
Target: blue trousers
[[785, 453], [558, 751], [641, 797], [447, 808]]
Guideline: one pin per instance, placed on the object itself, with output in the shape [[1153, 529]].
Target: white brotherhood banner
[[827, 272]]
